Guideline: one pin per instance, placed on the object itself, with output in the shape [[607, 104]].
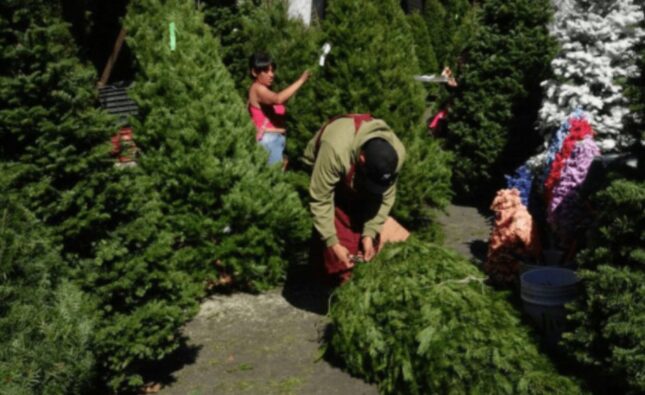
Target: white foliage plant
[[597, 40]]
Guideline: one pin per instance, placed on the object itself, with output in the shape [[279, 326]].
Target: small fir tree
[[50, 123], [635, 92], [495, 105], [134, 273], [226, 19], [424, 49], [424, 184]]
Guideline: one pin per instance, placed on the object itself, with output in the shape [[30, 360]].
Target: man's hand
[[342, 254], [368, 248]]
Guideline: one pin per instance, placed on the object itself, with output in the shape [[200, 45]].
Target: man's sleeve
[[374, 225], [324, 179]]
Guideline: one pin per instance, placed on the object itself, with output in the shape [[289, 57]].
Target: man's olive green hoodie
[[339, 149]]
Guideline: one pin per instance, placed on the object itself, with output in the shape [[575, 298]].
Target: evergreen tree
[[371, 65], [55, 144], [423, 45], [136, 276], [424, 184], [46, 323], [436, 20], [450, 23], [228, 207], [227, 21], [597, 42], [50, 124], [425, 53], [496, 102], [463, 16], [608, 319], [419, 320], [635, 92]]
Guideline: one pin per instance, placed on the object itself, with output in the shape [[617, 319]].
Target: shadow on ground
[[162, 371], [478, 250], [304, 291]]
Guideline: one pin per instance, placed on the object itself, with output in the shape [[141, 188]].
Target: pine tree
[[635, 92], [423, 45], [607, 320], [597, 42], [371, 66], [50, 123], [232, 212], [55, 145], [46, 323], [227, 21], [424, 49], [419, 320], [496, 102], [424, 184], [450, 24]]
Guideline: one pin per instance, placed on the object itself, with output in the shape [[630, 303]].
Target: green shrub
[[46, 322], [495, 106], [218, 194], [419, 320], [608, 319]]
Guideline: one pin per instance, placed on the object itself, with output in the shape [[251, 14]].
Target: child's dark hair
[[260, 61]]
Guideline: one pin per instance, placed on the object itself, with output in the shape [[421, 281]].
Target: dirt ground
[[270, 343]]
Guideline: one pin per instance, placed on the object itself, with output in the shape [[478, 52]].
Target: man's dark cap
[[379, 172]]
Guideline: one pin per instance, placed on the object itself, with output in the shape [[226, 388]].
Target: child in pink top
[[266, 107]]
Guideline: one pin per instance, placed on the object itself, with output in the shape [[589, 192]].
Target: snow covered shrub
[[597, 41]]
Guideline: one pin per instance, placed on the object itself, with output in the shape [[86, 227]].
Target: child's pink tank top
[[267, 117]]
